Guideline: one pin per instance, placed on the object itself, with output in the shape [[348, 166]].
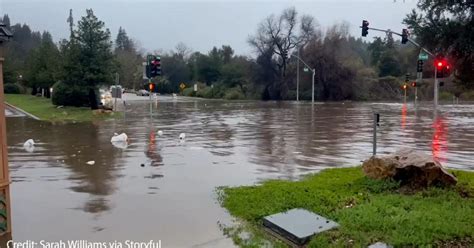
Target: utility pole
[[5, 208], [314, 74], [116, 89], [151, 101], [298, 78], [312, 88]]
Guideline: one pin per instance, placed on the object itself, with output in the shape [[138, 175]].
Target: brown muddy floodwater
[[57, 196]]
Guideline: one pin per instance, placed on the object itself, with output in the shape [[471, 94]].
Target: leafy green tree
[[176, 70], [447, 27], [384, 56], [389, 65], [43, 65]]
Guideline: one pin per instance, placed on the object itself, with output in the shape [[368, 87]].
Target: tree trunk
[[34, 90], [93, 99], [47, 93]]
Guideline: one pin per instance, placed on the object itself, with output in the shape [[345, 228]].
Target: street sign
[[182, 86], [423, 56], [195, 87], [305, 69]]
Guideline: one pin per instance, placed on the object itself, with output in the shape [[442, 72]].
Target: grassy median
[[367, 210], [44, 109]]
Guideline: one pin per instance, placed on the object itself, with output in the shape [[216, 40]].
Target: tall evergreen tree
[[128, 60], [95, 55], [123, 42], [6, 20]]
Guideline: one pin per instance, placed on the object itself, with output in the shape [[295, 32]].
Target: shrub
[[189, 92], [445, 96], [205, 92], [468, 96], [291, 96], [67, 95], [11, 89], [234, 94]]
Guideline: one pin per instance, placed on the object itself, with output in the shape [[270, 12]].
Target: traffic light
[[447, 70], [405, 35], [151, 87], [413, 84], [404, 86], [419, 66], [442, 67], [365, 28], [155, 66], [407, 78]]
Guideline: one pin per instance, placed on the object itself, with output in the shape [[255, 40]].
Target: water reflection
[[404, 115], [151, 152], [439, 143]]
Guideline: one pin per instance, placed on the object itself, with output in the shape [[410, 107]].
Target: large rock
[[410, 168]]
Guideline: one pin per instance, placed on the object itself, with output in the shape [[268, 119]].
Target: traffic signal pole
[[435, 95], [436, 87], [151, 101]]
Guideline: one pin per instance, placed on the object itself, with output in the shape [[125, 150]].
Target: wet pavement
[[11, 112], [172, 198]]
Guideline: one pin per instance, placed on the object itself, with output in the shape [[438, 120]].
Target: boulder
[[409, 167]]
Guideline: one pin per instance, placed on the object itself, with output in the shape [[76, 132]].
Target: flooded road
[[57, 196]]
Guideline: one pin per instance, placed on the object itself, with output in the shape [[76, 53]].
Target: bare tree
[[183, 50], [280, 34]]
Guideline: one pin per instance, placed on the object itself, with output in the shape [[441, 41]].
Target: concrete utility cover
[[298, 225], [380, 245]]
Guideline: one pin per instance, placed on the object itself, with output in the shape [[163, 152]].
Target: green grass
[[45, 110], [367, 210]]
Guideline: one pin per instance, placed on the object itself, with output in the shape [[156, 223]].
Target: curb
[[23, 111]]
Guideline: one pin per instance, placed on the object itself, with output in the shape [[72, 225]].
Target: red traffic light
[[413, 84], [404, 86], [440, 62], [151, 87]]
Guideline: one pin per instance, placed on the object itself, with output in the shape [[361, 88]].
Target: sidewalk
[[12, 111]]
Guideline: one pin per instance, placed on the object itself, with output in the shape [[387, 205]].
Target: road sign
[[182, 86], [305, 69], [423, 56]]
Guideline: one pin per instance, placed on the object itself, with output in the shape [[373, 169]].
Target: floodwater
[[172, 198]]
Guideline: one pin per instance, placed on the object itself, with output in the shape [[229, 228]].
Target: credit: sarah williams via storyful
[[83, 244]]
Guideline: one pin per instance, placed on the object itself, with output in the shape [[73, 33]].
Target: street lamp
[[314, 74]]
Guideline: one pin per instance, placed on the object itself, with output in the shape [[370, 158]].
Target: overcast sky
[[200, 24]]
